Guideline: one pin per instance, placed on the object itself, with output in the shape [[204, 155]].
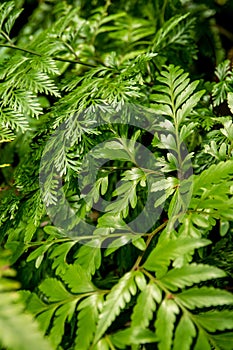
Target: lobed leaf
[[165, 323], [204, 297], [187, 275], [116, 300], [145, 306], [170, 249]]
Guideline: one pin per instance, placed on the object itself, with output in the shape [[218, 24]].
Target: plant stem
[[112, 347], [150, 236], [162, 13], [14, 47]]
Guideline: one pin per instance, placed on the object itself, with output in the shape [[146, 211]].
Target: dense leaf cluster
[[116, 176]]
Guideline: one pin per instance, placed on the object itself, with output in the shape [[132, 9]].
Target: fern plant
[[13, 319], [116, 179]]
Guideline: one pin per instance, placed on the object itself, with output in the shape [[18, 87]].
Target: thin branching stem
[[76, 61]]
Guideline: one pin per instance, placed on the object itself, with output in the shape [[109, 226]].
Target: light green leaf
[[187, 107], [18, 330], [170, 249], [112, 220], [88, 312], [102, 344], [45, 318], [185, 332], [77, 279], [139, 243], [164, 323], [104, 185], [204, 297], [145, 306], [230, 101], [185, 94], [116, 300], [58, 326], [187, 275], [215, 320], [214, 174], [117, 243], [202, 342], [224, 340], [89, 257], [54, 290], [132, 336], [162, 109]]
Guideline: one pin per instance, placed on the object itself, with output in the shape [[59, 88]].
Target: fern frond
[[187, 275], [184, 334], [116, 300], [89, 258], [213, 175], [62, 314], [13, 320], [77, 280], [164, 35], [165, 323], [88, 312], [8, 16], [145, 306], [215, 320], [12, 120], [6, 135], [176, 93], [54, 290], [170, 249], [204, 297], [225, 84]]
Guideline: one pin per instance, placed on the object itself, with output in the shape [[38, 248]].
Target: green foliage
[[18, 329], [116, 178]]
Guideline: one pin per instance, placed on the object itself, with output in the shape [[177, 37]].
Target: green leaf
[[215, 320], [185, 94], [59, 256], [88, 312], [214, 174], [132, 336], [45, 318], [102, 344], [170, 249], [224, 340], [139, 243], [161, 38], [39, 254], [145, 306], [89, 257], [230, 101], [54, 290], [58, 325], [202, 342], [165, 323], [77, 279], [187, 275], [116, 300], [112, 220], [104, 185], [18, 330], [187, 107], [117, 243], [185, 332], [204, 297], [34, 304]]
